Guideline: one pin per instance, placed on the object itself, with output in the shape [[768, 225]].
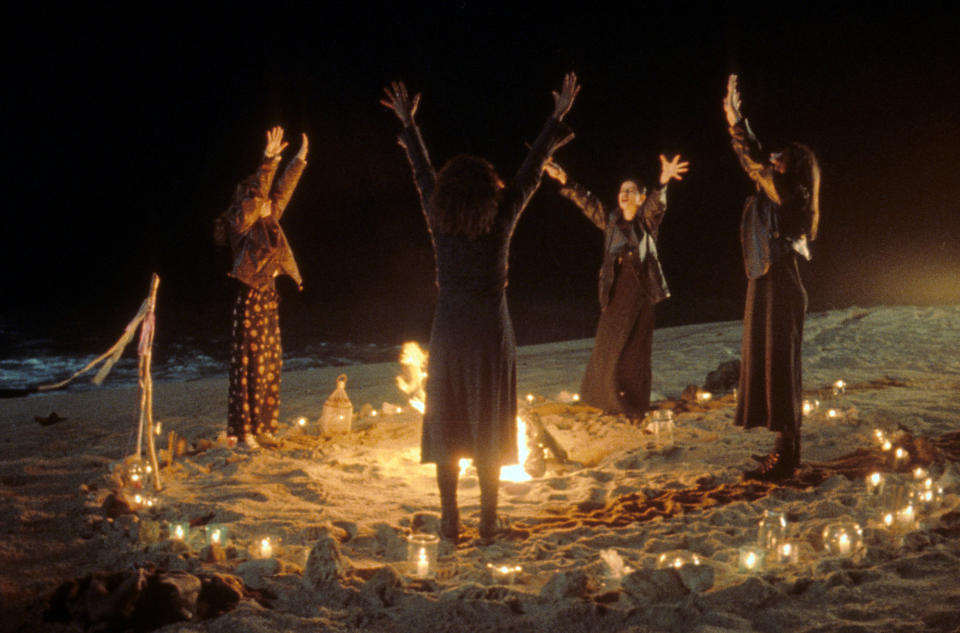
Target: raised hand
[[275, 144], [672, 169], [563, 101], [398, 100], [304, 147], [555, 171], [731, 103]]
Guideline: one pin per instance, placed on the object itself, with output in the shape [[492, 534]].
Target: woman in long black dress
[[471, 405], [776, 226], [618, 375], [251, 225]]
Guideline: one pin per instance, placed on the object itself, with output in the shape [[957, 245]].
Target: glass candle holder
[[751, 559], [215, 534], [178, 531], [772, 530], [704, 397], [927, 495], [787, 553], [839, 387], [895, 495], [874, 483], [900, 457], [809, 406], [503, 574], [135, 474], [266, 547], [844, 538], [661, 425], [422, 554], [678, 558]]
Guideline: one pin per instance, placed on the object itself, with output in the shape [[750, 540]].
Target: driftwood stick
[[171, 447], [147, 329]]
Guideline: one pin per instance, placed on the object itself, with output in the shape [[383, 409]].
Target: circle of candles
[[751, 558], [874, 483], [503, 574], [844, 538], [772, 530], [422, 554], [839, 387]]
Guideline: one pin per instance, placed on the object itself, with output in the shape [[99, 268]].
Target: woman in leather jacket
[[777, 223], [618, 375]]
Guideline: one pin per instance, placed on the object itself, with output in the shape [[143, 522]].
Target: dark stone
[[724, 378], [115, 505], [219, 593]]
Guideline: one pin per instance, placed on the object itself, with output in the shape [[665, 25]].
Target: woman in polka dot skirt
[[260, 253]]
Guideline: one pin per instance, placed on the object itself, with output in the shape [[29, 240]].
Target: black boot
[[447, 475]]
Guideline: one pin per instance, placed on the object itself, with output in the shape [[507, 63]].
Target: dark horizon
[[125, 138]]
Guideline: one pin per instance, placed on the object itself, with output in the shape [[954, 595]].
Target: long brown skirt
[[256, 358], [618, 375], [770, 392]]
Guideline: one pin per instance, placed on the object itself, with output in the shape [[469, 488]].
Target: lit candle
[[788, 552], [301, 422], [886, 445], [216, 534], [839, 387], [843, 543], [576, 397], [807, 407], [879, 435], [874, 482], [833, 413], [266, 548], [900, 456], [842, 539], [530, 397], [751, 558], [423, 565], [921, 473], [179, 531], [505, 574], [888, 519], [703, 397]]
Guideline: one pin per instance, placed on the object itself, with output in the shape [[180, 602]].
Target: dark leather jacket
[[259, 246], [635, 249], [773, 218]]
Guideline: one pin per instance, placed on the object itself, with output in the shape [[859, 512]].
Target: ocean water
[[29, 362]]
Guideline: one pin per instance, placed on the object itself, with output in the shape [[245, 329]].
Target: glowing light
[[530, 398], [839, 387], [413, 380], [266, 547], [515, 472], [887, 445], [301, 421], [888, 519], [920, 473], [833, 413], [576, 397]]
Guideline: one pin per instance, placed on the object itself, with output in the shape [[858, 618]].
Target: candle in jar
[[751, 558], [874, 482], [266, 548], [920, 473], [839, 387]]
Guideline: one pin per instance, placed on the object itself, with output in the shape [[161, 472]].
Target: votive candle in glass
[[178, 531], [422, 554], [216, 534], [787, 553], [839, 387], [844, 538], [677, 558], [772, 530], [751, 558], [503, 574], [874, 483], [661, 425], [264, 547]]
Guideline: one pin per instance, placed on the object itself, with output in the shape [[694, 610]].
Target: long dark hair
[[799, 191], [245, 189], [466, 198]]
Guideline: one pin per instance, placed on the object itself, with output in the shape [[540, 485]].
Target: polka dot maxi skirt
[[256, 358]]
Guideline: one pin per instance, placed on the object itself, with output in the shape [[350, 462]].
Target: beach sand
[[361, 493]]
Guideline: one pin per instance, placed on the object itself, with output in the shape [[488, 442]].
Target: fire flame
[[412, 381]]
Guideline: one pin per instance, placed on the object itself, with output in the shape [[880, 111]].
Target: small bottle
[[337, 410]]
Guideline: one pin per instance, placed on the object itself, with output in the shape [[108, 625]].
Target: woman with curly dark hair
[[471, 405], [777, 224]]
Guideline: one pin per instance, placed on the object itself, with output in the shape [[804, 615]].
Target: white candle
[[423, 565], [215, 537], [843, 543], [874, 482], [178, 532], [266, 548], [839, 387]]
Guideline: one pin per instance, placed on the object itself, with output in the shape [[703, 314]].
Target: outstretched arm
[[578, 194], [282, 192], [745, 144], [398, 100], [553, 136]]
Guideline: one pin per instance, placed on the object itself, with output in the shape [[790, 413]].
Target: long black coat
[[619, 375], [770, 390], [471, 406]]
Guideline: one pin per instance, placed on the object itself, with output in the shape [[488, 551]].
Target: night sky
[[125, 131]]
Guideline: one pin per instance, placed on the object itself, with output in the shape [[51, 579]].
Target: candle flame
[[888, 519], [515, 472]]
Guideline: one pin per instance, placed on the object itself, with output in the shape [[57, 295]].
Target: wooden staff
[[145, 351]]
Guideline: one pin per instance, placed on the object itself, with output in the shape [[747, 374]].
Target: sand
[[364, 492]]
